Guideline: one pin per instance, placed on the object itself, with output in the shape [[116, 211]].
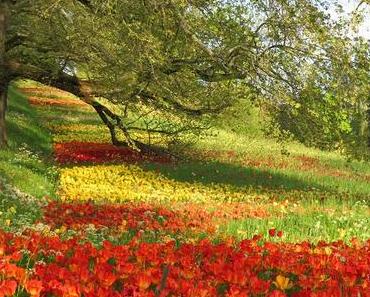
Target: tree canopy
[[166, 68]]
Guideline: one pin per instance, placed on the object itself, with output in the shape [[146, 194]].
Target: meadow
[[235, 216]]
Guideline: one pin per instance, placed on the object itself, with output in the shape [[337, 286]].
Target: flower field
[[80, 152], [249, 268], [96, 183], [126, 218], [224, 224]]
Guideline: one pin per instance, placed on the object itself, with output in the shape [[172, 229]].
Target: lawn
[[234, 217]]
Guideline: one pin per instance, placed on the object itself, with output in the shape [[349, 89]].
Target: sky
[[349, 6]]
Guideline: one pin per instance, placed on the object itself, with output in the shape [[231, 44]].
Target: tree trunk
[[3, 74], [112, 129], [3, 105]]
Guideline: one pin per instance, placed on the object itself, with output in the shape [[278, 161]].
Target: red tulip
[[272, 232]]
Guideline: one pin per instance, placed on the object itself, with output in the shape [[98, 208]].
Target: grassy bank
[[27, 173], [241, 177]]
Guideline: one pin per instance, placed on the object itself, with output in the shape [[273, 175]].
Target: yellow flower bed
[[116, 183], [80, 132]]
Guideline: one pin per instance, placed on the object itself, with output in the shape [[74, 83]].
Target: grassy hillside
[[242, 137], [27, 173], [27, 164], [308, 193], [236, 214]]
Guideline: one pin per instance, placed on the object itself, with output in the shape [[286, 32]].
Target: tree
[[3, 79], [332, 110], [165, 68], [13, 65]]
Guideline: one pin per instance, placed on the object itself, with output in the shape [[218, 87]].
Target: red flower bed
[[125, 217], [80, 152], [47, 266]]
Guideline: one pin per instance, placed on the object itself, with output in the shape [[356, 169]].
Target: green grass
[[333, 197], [318, 207], [328, 199], [27, 173], [330, 170], [286, 183], [27, 163], [310, 226]]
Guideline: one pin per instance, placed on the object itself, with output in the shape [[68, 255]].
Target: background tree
[[164, 68], [332, 110]]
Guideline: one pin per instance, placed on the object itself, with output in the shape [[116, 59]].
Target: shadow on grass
[[209, 173], [20, 135], [68, 115], [272, 183], [18, 163], [23, 127]]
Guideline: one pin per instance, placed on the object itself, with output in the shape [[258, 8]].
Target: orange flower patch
[[265, 163], [224, 211], [250, 268], [90, 152], [127, 216], [306, 163], [45, 91], [256, 162], [56, 102]]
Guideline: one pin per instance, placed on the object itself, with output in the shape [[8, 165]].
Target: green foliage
[[243, 118], [320, 122], [167, 69], [331, 111], [358, 142]]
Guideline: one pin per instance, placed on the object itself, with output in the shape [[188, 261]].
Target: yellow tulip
[[283, 283]]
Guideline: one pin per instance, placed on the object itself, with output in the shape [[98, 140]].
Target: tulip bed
[[50, 96], [125, 182], [129, 224], [126, 217], [57, 102], [47, 266], [81, 152]]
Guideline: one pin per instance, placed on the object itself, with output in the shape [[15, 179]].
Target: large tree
[[166, 67], [333, 107], [15, 50]]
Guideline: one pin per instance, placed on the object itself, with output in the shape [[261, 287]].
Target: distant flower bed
[[82, 152], [45, 91], [58, 102], [47, 266]]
